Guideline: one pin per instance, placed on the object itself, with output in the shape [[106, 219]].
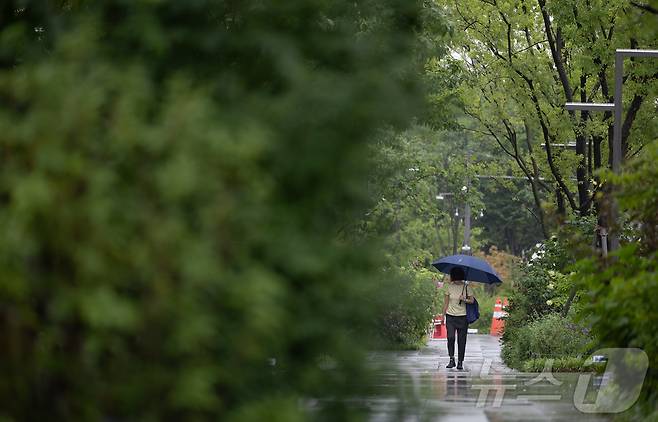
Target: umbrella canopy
[[475, 269]]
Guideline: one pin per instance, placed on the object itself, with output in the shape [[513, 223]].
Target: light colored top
[[454, 291]]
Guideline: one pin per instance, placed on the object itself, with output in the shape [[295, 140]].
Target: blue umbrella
[[475, 269]]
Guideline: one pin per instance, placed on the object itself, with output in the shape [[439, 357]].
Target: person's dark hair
[[457, 274]]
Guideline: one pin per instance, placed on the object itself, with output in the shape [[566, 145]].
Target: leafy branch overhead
[[524, 60]]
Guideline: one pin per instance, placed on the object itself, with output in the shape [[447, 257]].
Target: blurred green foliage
[[407, 302], [621, 291], [173, 178]]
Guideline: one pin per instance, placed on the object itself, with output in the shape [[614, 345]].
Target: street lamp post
[[617, 107], [466, 246]]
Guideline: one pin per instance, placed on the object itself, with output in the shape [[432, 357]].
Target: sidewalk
[[416, 386]]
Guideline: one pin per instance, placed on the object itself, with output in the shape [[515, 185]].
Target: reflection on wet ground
[[416, 386]]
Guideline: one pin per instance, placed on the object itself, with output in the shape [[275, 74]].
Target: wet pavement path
[[416, 386]]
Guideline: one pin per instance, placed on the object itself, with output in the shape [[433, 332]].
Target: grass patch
[[564, 364]]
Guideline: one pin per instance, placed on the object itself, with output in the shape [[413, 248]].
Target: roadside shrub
[[526, 303], [407, 303], [554, 336], [545, 289], [550, 336]]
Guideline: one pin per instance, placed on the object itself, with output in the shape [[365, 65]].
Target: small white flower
[[549, 302], [550, 286]]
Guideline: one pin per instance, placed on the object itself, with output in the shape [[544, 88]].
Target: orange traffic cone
[[497, 324]]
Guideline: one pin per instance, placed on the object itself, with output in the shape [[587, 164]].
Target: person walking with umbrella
[[454, 311], [460, 308]]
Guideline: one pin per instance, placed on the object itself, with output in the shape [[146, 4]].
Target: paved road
[[416, 386]]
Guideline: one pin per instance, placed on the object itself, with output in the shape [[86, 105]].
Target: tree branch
[[645, 7]]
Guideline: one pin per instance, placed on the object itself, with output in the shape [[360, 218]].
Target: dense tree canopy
[[524, 60]]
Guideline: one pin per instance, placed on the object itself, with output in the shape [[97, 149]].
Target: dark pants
[[460, 324]]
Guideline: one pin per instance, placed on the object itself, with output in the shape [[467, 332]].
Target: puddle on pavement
[[416, 386]]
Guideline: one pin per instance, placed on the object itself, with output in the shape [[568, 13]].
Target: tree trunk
[[534, 180], [556, 43], [559, 198], [567, 305]]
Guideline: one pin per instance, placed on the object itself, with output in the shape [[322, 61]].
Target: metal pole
[[466, 248], [617, 153], [604, 241], [619, 105], [616, 148]]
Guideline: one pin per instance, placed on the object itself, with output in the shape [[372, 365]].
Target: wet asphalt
[[416, 386]]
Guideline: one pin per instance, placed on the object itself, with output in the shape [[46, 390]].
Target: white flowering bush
[[545, 290]]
